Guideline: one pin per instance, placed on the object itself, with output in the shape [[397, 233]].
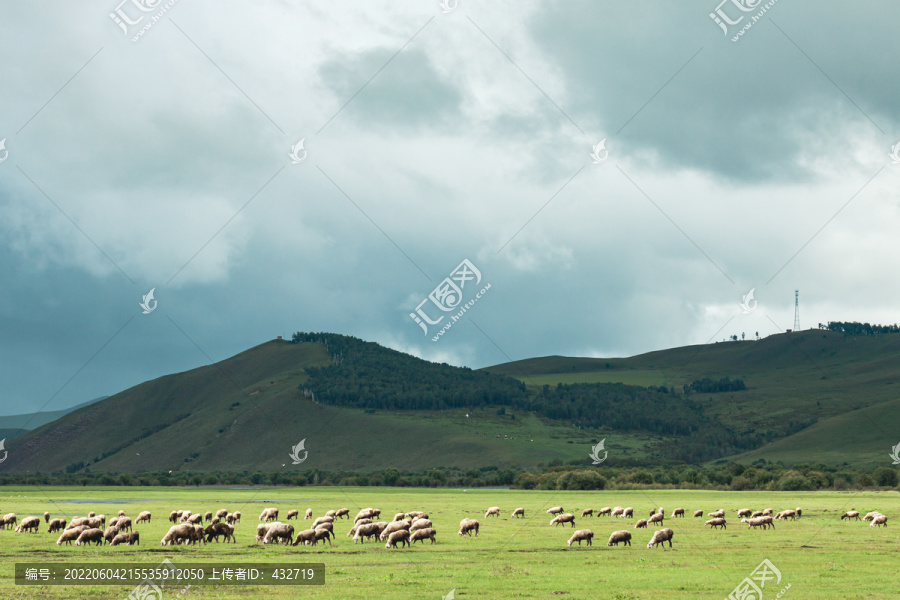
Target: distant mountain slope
[[363, 407], [15, 425]]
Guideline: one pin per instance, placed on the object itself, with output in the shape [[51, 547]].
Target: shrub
[[741, 484], [793, 481], [886, 477], [580, 480], [527, 481]]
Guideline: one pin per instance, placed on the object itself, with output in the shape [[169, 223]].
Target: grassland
[[818, 555]]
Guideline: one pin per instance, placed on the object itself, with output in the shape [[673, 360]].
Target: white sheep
[[563, 519], [554, 510], [879, 520], [698, 513], [398, 537], [660, 537], [744, 512], [587, 512], [716, 523], [582, 534], [850, 514], [427, 533], [678, 512], [279, 531], [604, 511], [519, 512], [308, 514], [623, 536], [293, 513], [144, 516], [466, 526], [494, 510], [641, 524], [657, 518]]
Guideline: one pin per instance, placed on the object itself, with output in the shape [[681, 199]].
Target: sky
[[564, 178]]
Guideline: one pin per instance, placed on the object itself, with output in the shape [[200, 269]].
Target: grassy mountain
[[819, 396]]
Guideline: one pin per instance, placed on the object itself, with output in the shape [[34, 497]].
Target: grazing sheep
[[33, 523], [399, 516], [237, 516], [77, 522], [627, 512], [582, 534], [427, 533], [879, 520], [96, 522], [177, 533], [173, 516], [269, 514], [758, 522], [215, 520], [279, 531], [367, 531], [467, 525], [421, 524], [563, 519], [768, 511], [134, 538], [91, 514], [69, 535], [195, 519], [617, 511], [641, 524], [90, 535], [678, 512], [555, 510], [494, 510], [331, 513], [221, 513], [604, 511], [698, 513], [185, 515], [401, 537], [7, 519], [660, 537], [230, 519], [367, 513], [342, 512], [46, 517], [261, 530], [416, 514], [799, 512], [119, 538], [57, 525], [744, 512], [216, 529], [394, 526], [619, 536], [111, 532], [587, 512], [755, 514], [293, 513], [307, 536], [322, 534], [718, 514], [144, 516], [783, 515], [357, 524], [716, 523], [308, 514], [657, 518], [329, 527], [208, 516], [113, 521], [519, 512], [871, 515], [121, 513], [124, 524], [321, 520], [850, 514]]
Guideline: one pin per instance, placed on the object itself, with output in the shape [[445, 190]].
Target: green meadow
[[818, 556]]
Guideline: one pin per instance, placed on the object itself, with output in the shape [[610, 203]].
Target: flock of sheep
[[403, 530]]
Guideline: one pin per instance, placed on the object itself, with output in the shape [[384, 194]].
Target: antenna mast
[[796, 310]]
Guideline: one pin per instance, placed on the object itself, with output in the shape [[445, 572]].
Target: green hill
[[813, 396]]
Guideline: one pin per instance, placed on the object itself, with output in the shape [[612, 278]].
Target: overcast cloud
[[434, 137]]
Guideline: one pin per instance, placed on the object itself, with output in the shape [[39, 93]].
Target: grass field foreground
[[819, 555]]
